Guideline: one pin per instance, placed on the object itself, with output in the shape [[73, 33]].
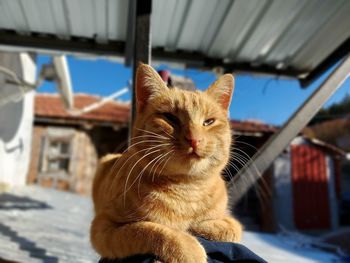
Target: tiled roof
[[252, 127], [51, 106]]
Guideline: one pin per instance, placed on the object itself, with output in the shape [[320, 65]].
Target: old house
[[66, 148], [306, 185], [299, 191]]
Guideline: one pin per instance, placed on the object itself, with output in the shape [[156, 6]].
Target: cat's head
[[185, 132]]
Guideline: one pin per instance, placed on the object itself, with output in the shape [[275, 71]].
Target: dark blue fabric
[[217, 252]]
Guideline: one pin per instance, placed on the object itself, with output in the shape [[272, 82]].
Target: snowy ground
[[44, 225], [276, 248]]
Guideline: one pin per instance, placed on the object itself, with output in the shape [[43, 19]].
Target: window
[[57, 155]]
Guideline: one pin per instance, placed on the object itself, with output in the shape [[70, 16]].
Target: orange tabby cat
[[167, 186]]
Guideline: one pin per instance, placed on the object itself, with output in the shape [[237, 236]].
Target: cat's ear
[[222, 89], [148, 83]]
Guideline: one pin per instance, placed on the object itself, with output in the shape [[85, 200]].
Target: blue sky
[[266, 99]]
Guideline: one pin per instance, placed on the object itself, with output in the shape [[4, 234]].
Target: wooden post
[[141, 43]]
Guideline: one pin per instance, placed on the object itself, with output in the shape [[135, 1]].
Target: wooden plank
[[142, 44]]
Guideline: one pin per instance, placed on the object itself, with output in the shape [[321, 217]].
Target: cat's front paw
[[230, 232], [227, 229], [188, 250]]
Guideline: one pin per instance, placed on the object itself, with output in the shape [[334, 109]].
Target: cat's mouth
[[193, 154]]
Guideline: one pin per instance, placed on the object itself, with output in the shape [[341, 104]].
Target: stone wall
[[86, 147]]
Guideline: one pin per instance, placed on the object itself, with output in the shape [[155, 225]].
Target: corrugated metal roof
[[295, 34], [102, 20]]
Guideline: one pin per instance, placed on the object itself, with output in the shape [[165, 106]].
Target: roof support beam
[[77, 45], [332, 59], [49, 43], [201, 61], [278, 142], [130, 33], [142, 44], [52, 44]]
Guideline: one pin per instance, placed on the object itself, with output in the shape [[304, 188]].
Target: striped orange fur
[[167, 186]]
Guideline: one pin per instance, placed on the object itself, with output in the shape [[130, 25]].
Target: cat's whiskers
[[134, 144], [148, 141], [127, 160], [139, 151], [263, 193], [163, 144], [265, 188], [245, 143], [114, 180], [149, 136], [227, 169], [132, 168], [126, 188], [241, 160], [168, 134], [139, 176], [171, 155], [234, 161], [158, 162], [156, 134], [146, 138], [231, 164], [228, 172], [238, 159], [131, 146]]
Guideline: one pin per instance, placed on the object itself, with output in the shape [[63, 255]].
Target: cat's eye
[[171, 117], [208, 122]]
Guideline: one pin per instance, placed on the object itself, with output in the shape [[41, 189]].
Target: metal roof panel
[[236, 28], [292, 37], [117, 12], [311, 19], [16, 15]]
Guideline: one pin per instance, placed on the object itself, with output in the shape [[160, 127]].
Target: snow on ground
[[45, 225], [277, 248]]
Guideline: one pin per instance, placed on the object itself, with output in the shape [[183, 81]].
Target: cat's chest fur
[[181, 205]]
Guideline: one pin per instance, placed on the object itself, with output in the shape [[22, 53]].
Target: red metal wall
[[310, 188]]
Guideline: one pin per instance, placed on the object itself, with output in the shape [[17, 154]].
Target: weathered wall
[[283, 195], [38, 132], [16, 120], [83, 160]]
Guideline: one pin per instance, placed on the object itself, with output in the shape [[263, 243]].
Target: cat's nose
[[194, 141]]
